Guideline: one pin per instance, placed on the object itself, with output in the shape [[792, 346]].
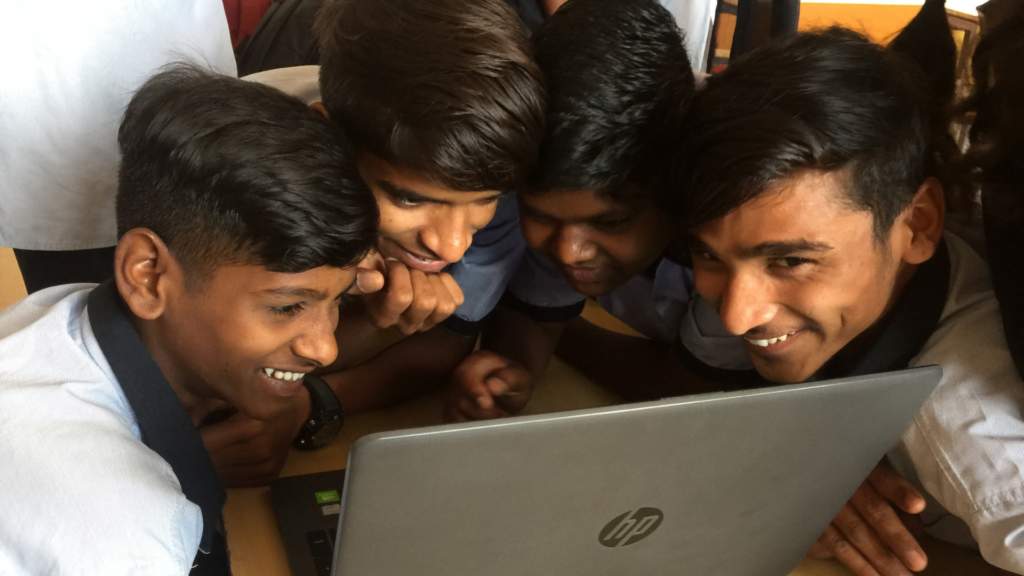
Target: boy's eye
[[289, 310], [612, 224], [701, 255], [791, 262], [403, 201]]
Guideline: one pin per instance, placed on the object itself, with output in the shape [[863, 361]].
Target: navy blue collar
[[909, 324], [166, 426]]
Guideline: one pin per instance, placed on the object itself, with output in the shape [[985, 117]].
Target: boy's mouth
[[772, 344], [284, 375], [281, 383], [414, 260]]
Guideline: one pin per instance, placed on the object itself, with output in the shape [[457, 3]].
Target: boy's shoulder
[[83, 493], [85, 496]]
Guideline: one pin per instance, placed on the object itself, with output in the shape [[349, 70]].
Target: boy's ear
[[145, 272], [922, 222]]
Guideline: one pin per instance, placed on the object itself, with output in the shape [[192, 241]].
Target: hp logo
[[630, 527]]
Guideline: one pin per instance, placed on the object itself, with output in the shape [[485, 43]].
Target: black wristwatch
[[325, 419]]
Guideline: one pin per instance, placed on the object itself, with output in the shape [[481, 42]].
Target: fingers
[[887, 528], [386, 306], [819, 551], [448, 298], [835, 544], [896, 489], [474, 389], [369, 275], [857, 541], [423, 302], [367, 282], [511, 386], [452, 288], [410, 299], [471, 376]]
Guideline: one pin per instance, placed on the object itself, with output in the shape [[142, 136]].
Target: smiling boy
[[241, 218], [446, 107], [818, 236], [619, 82]]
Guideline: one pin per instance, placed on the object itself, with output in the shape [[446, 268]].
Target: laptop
[[737, 483]]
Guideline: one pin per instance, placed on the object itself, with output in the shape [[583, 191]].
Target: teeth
[[282, 375], [769, 341]]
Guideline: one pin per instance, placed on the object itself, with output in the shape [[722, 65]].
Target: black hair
[[618, 83], [828, 100], [995, 159], [227, 171], [446, 88]]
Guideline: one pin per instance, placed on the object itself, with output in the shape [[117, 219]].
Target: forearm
[[404, 370], [522, 339], [633, 367]]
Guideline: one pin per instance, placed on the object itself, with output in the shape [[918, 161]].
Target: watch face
[[326, 433]]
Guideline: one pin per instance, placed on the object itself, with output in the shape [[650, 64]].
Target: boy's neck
[[186, 385]]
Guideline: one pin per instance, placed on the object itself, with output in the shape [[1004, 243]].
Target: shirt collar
[[912, 320], [165, 425]]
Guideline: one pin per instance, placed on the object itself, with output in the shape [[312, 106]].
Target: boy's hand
[[249, 452], [871, 537], [410, 299], [486, 385]]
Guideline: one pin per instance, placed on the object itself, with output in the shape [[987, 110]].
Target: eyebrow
[[599, 216], [778, 249], [308, 293], [404, 193]]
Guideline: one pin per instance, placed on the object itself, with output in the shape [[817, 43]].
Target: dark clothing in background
[[43, 269], [530, 13]]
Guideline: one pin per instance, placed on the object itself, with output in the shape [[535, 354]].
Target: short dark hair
[[618, 82], [446, 88], [828, 100], [227, 171]]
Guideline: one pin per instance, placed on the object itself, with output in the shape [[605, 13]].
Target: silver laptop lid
[[728, 484]]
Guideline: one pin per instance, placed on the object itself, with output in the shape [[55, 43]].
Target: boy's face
[[422, 224], [246, 321], [596, 242], [797, 272]]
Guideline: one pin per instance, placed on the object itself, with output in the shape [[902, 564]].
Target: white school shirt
[[965, 448], [80, 493], [67, 73]]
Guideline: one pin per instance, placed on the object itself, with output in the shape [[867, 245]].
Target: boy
[[241, 218], [818, 236], [618, 82], [445, 105]]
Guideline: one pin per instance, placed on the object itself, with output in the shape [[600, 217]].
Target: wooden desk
[[256, 548]]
